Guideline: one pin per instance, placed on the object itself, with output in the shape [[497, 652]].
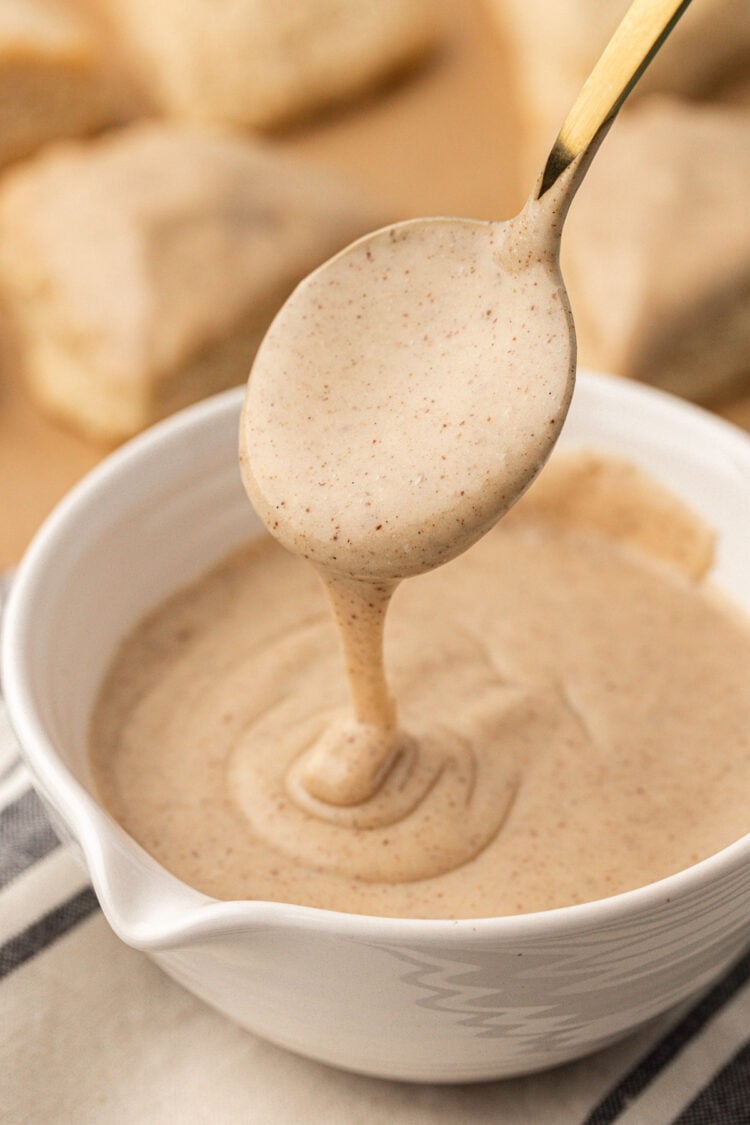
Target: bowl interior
[[164, 508]]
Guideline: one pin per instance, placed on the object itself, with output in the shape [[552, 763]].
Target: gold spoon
[[645, 26], [317, 341], [412, 387]]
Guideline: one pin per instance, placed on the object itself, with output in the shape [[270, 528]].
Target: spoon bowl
[[455, 332], [445, 329]]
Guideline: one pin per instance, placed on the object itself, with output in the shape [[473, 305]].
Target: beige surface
[[445, 140]]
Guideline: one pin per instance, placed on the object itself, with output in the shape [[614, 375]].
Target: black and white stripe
[[726, 1097], [26, 841], [45, 930], [27, 838], [648, 1069]]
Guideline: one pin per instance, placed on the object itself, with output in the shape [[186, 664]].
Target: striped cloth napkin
[[93, 1032]]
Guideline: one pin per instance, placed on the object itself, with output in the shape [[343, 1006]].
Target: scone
[[656, 251], [553, 47], [259, 62], [141, 270], [51, 84]]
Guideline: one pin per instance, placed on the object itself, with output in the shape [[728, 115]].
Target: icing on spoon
[[408, 393]]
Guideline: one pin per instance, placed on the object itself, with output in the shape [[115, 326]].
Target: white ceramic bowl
[[423, 1000]]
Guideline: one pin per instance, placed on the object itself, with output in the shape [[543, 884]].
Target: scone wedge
[[258, 63], [656, 252], [141, 270]]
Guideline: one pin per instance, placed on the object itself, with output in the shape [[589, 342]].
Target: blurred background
[[169, 171]]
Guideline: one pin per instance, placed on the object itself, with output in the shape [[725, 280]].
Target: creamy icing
[[579, 702], [405, 396]]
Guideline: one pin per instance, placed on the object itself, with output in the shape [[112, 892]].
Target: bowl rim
[[197, 916]]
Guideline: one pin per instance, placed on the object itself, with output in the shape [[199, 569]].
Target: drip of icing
[[404, 398]]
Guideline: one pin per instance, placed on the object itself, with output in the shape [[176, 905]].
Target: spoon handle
[[644, 28]]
